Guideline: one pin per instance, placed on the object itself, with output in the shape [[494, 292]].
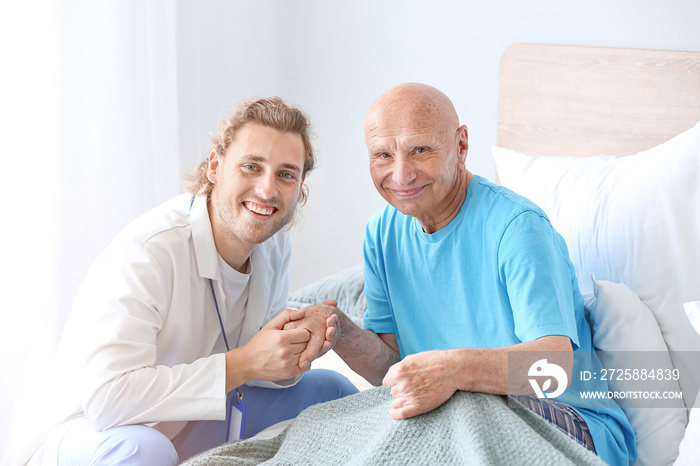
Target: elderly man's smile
[[407, 193]]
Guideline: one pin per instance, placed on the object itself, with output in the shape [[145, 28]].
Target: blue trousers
[[142, 445]]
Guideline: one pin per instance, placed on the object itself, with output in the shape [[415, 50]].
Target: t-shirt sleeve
[[378, 317], [537, 274]]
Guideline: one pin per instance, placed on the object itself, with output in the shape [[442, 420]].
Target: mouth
[[407, 193], [264, 210]]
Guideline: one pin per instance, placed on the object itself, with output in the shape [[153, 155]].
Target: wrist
[[237, 371], [455, 364], [348, 332]]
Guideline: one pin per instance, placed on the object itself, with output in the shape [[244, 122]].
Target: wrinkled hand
[[273, 353], [419, 383], [323, 325]]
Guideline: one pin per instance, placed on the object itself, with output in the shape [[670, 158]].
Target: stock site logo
[[542, 368]]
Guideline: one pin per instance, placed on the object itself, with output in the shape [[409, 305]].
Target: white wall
[[335, 58]]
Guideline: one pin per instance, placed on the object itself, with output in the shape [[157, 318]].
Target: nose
[[266, 186], [403, 172]]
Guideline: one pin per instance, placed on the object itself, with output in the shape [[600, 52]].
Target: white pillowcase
[[622, 324], [684, 343], [692, 311], [689, 449], [632, 220]]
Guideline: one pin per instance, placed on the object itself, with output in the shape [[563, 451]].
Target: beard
[[247, 229]]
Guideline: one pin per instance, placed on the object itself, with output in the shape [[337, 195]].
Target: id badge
[[236, 416]]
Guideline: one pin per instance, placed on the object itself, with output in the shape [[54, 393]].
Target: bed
[[607, 142]]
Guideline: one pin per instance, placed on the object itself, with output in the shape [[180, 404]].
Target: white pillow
[[684, 343], [632, 220], [622, 324], [689, 449], [692, 311]]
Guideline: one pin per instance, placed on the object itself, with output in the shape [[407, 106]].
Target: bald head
[[417, 153], [410, 104]]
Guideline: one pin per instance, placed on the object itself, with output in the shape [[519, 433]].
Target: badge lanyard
[[235, 401]]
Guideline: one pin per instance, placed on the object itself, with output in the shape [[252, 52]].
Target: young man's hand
[[272, 354]]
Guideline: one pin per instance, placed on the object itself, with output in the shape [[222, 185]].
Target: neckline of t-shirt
[[454, 223], [230, 274]]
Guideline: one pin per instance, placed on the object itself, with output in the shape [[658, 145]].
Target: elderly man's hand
[[420, 383], [323, 325]]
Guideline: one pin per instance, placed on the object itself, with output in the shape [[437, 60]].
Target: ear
[[301, 194], [463, 142], [213, 167], [301, 189]]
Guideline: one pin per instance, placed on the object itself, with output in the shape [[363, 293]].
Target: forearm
[[158, 393], [364, 351], [486, 369], [423, 381]]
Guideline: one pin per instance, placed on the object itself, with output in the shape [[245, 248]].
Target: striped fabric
[[563, 417]]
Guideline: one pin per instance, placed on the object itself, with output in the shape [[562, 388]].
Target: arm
[[367, 353], [137, 367], [421, 382], [120, 312]]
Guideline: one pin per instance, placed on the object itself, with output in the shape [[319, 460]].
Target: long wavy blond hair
[[272, 112]]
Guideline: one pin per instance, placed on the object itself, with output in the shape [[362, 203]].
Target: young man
[[179, 325]]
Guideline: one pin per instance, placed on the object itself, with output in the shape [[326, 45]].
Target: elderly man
[[177, 334], [459, 273]]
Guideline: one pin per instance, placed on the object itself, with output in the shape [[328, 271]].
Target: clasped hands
[[286, 345], [323, 326]]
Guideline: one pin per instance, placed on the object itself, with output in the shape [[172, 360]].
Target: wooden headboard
[[582, 101]]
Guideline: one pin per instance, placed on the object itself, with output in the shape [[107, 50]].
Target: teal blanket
[[471, 428]]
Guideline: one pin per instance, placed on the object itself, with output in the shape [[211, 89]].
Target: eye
[[420, 150], [287, 176], [383, 155], [249, 167]]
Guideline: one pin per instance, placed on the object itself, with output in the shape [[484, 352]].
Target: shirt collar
[[203, 239]]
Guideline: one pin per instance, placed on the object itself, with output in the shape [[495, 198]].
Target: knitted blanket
[[471, 428]]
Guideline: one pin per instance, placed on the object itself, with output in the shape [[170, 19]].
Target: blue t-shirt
[[498, 274]]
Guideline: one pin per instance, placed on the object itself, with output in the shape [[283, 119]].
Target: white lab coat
[[138, 345]]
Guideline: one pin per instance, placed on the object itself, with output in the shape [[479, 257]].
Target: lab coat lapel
[[258, 293], [203, 240], [207, 265]]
